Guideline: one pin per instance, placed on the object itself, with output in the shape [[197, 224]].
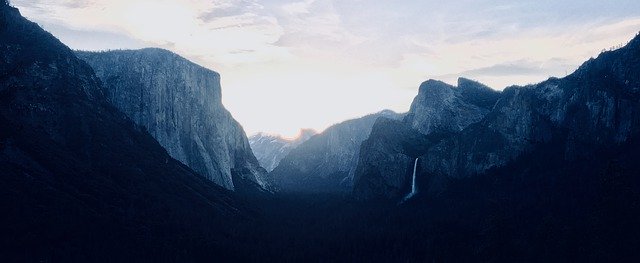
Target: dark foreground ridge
[[80, 182]]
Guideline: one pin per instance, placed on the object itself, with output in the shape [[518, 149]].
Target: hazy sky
[[286, 65]]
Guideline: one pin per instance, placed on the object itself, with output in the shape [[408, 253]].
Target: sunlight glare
[[159, 21]]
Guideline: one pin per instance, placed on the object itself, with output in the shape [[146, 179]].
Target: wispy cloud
[[296, 57]]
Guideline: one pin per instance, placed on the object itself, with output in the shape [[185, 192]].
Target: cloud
[[295, 57], [297, 8], [216, 29], [314, 25], [518, 72], [527, 56], [516, 68], [230, 8]]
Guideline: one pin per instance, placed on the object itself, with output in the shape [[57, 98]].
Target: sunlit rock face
[[179, 103], [326, 162], [270, 149], [438, 111], [440, 107]]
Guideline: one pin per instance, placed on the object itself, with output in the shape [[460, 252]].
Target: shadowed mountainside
[[439, 110], [327, 161], [80, 182]]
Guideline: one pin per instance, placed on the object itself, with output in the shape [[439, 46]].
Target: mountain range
[[129, 155], [326, 162], [270, 149], [595, 107]]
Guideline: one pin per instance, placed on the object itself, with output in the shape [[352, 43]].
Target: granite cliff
[[438, 111], [592, 109], [180, 104], [79, 180], [326, 162]]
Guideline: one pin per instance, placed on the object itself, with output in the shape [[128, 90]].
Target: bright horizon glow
[[287, 65]]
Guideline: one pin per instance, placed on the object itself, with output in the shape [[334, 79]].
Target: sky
[[287, 65]]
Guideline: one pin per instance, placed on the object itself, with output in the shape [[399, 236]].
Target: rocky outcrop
[[597, 107], [438, 111], [326, 162], [74, 168], [270, 149], [440, 107], [180, 104], [387, 158]]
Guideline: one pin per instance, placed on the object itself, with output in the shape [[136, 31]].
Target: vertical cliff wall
[[180, 104]]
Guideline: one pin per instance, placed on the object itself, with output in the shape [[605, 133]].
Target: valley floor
[[536, 209]]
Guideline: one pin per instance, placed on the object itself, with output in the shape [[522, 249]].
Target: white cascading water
[[413, 183]]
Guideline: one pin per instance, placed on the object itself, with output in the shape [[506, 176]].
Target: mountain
[[180, 104], [594, 108], [80, 181], [270, 149], [387, 156], [550, 171], [327, 161], [440, 107]]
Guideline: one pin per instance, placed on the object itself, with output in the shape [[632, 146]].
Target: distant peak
[[433, 84], [259, 134], [387, 112], [305, 133], [265, 135]]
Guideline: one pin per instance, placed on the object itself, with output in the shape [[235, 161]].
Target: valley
[[131, 156]]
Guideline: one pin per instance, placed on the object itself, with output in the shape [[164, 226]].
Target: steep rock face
[[440, 107], [596, 106], [519, 120], [386, 159], [179, 103], [327, 161], [438, 111], [270, 149], [79, 179]]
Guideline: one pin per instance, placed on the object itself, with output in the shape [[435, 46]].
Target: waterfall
[[413, 181], [414, 190]]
